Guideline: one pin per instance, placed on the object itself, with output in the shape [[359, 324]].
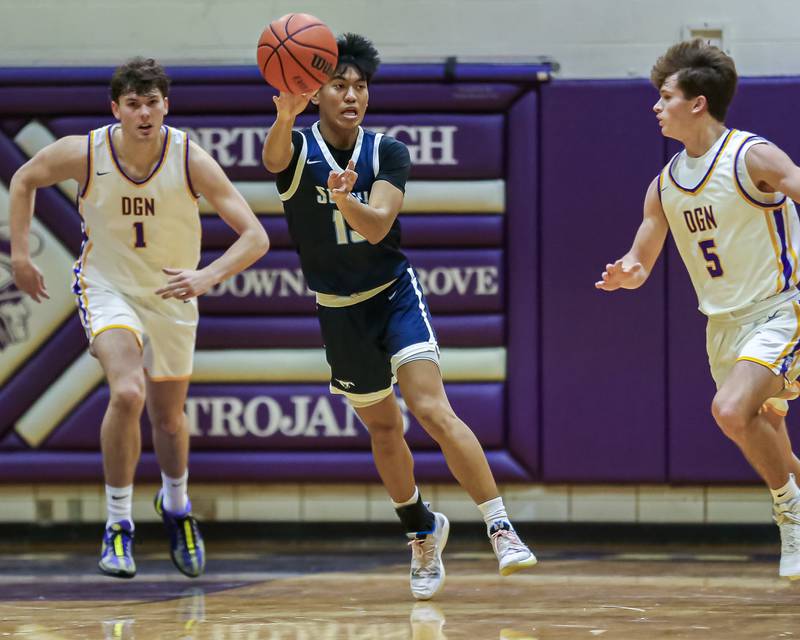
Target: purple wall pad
[[522, 190], [458, 281], [441, 145], [698, 450], [525, 73], [242, 467], [283, 417], [603, 370], [35, 376], [205, 99], [428, 230], [264, 332], [12, 442], [52, 208]]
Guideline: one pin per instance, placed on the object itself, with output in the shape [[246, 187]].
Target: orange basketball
[[297, 53]]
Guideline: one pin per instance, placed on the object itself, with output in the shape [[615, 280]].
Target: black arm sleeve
[[395, 162], [283, 180]]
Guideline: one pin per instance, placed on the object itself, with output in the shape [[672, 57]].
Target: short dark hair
[[139, 75], [358, 52], [703, 70]]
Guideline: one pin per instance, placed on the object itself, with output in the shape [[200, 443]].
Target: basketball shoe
[[787, 517], [116, 554], [511, 552], [186, 546], [427, 568]]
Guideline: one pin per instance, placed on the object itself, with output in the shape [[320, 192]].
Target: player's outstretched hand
[[291, 104], [343, 182], [29, 279], [618, 276], [185, 284]]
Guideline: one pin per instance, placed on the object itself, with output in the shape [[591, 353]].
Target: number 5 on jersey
[[713, 264], [138, 235]]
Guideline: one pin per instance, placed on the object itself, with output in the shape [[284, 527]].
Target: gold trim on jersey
[[122, 326], [769, 366], [699, 188], [83, 259], [773, 236], [795, 338], [332, 300], [167, 378], [162, 158], [186, 177], [796, 266], [89, 171]]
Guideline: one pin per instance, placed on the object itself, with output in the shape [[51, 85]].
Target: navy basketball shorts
[[365, 343]]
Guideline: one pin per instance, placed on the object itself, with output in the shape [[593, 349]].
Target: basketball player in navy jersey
[[342, 189], [724, 199], [136, 284]]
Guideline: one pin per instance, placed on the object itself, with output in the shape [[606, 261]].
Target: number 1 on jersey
[[138, 230]]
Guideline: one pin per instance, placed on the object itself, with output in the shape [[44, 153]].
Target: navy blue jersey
[[336, 259]]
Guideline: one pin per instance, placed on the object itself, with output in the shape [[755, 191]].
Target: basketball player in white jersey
[[136, 284], [727, 198]]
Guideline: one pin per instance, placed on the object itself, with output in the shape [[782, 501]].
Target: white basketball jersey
[[740, 245], [134, 228]]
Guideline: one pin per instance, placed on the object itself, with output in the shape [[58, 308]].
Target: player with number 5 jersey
[[727, 198]]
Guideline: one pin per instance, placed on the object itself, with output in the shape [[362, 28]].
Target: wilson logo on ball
[[318, 62]]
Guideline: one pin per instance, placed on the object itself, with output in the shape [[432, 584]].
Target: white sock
[[412, 500], [174, 491], [119, 504], [787, 492], [494, 510]]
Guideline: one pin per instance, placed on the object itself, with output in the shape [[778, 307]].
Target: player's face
[[674, 111], [343, 99], [141, 116]]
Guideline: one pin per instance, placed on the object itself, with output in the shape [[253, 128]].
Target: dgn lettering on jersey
[[138, 206], [700, 219]]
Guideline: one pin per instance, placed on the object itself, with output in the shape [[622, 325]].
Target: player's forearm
[[252, 244], [372, 223], [21, 199], [277, 152]]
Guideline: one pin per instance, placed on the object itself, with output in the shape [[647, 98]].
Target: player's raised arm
[[277, 152], [772, 170], [61, 160], [632, 270], [210, 181]]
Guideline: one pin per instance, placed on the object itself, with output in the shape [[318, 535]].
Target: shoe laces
[[507, 540], [423, 556], [126, 538]]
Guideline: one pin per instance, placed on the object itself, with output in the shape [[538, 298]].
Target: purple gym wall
[[594, 387], [259, 406]]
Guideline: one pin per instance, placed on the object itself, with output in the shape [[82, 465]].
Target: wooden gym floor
[[351, 591]]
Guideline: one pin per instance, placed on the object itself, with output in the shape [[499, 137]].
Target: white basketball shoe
[[787, 517], [512, 554], [427, 568]]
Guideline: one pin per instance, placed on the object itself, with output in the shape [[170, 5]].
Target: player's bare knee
[[128, 396], [437, 419], [170, 425], [730, 418], [385, 430]]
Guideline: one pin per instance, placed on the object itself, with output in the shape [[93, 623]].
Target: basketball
[[297, 53]]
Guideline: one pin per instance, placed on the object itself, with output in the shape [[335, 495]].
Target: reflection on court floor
[[307, 595]]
